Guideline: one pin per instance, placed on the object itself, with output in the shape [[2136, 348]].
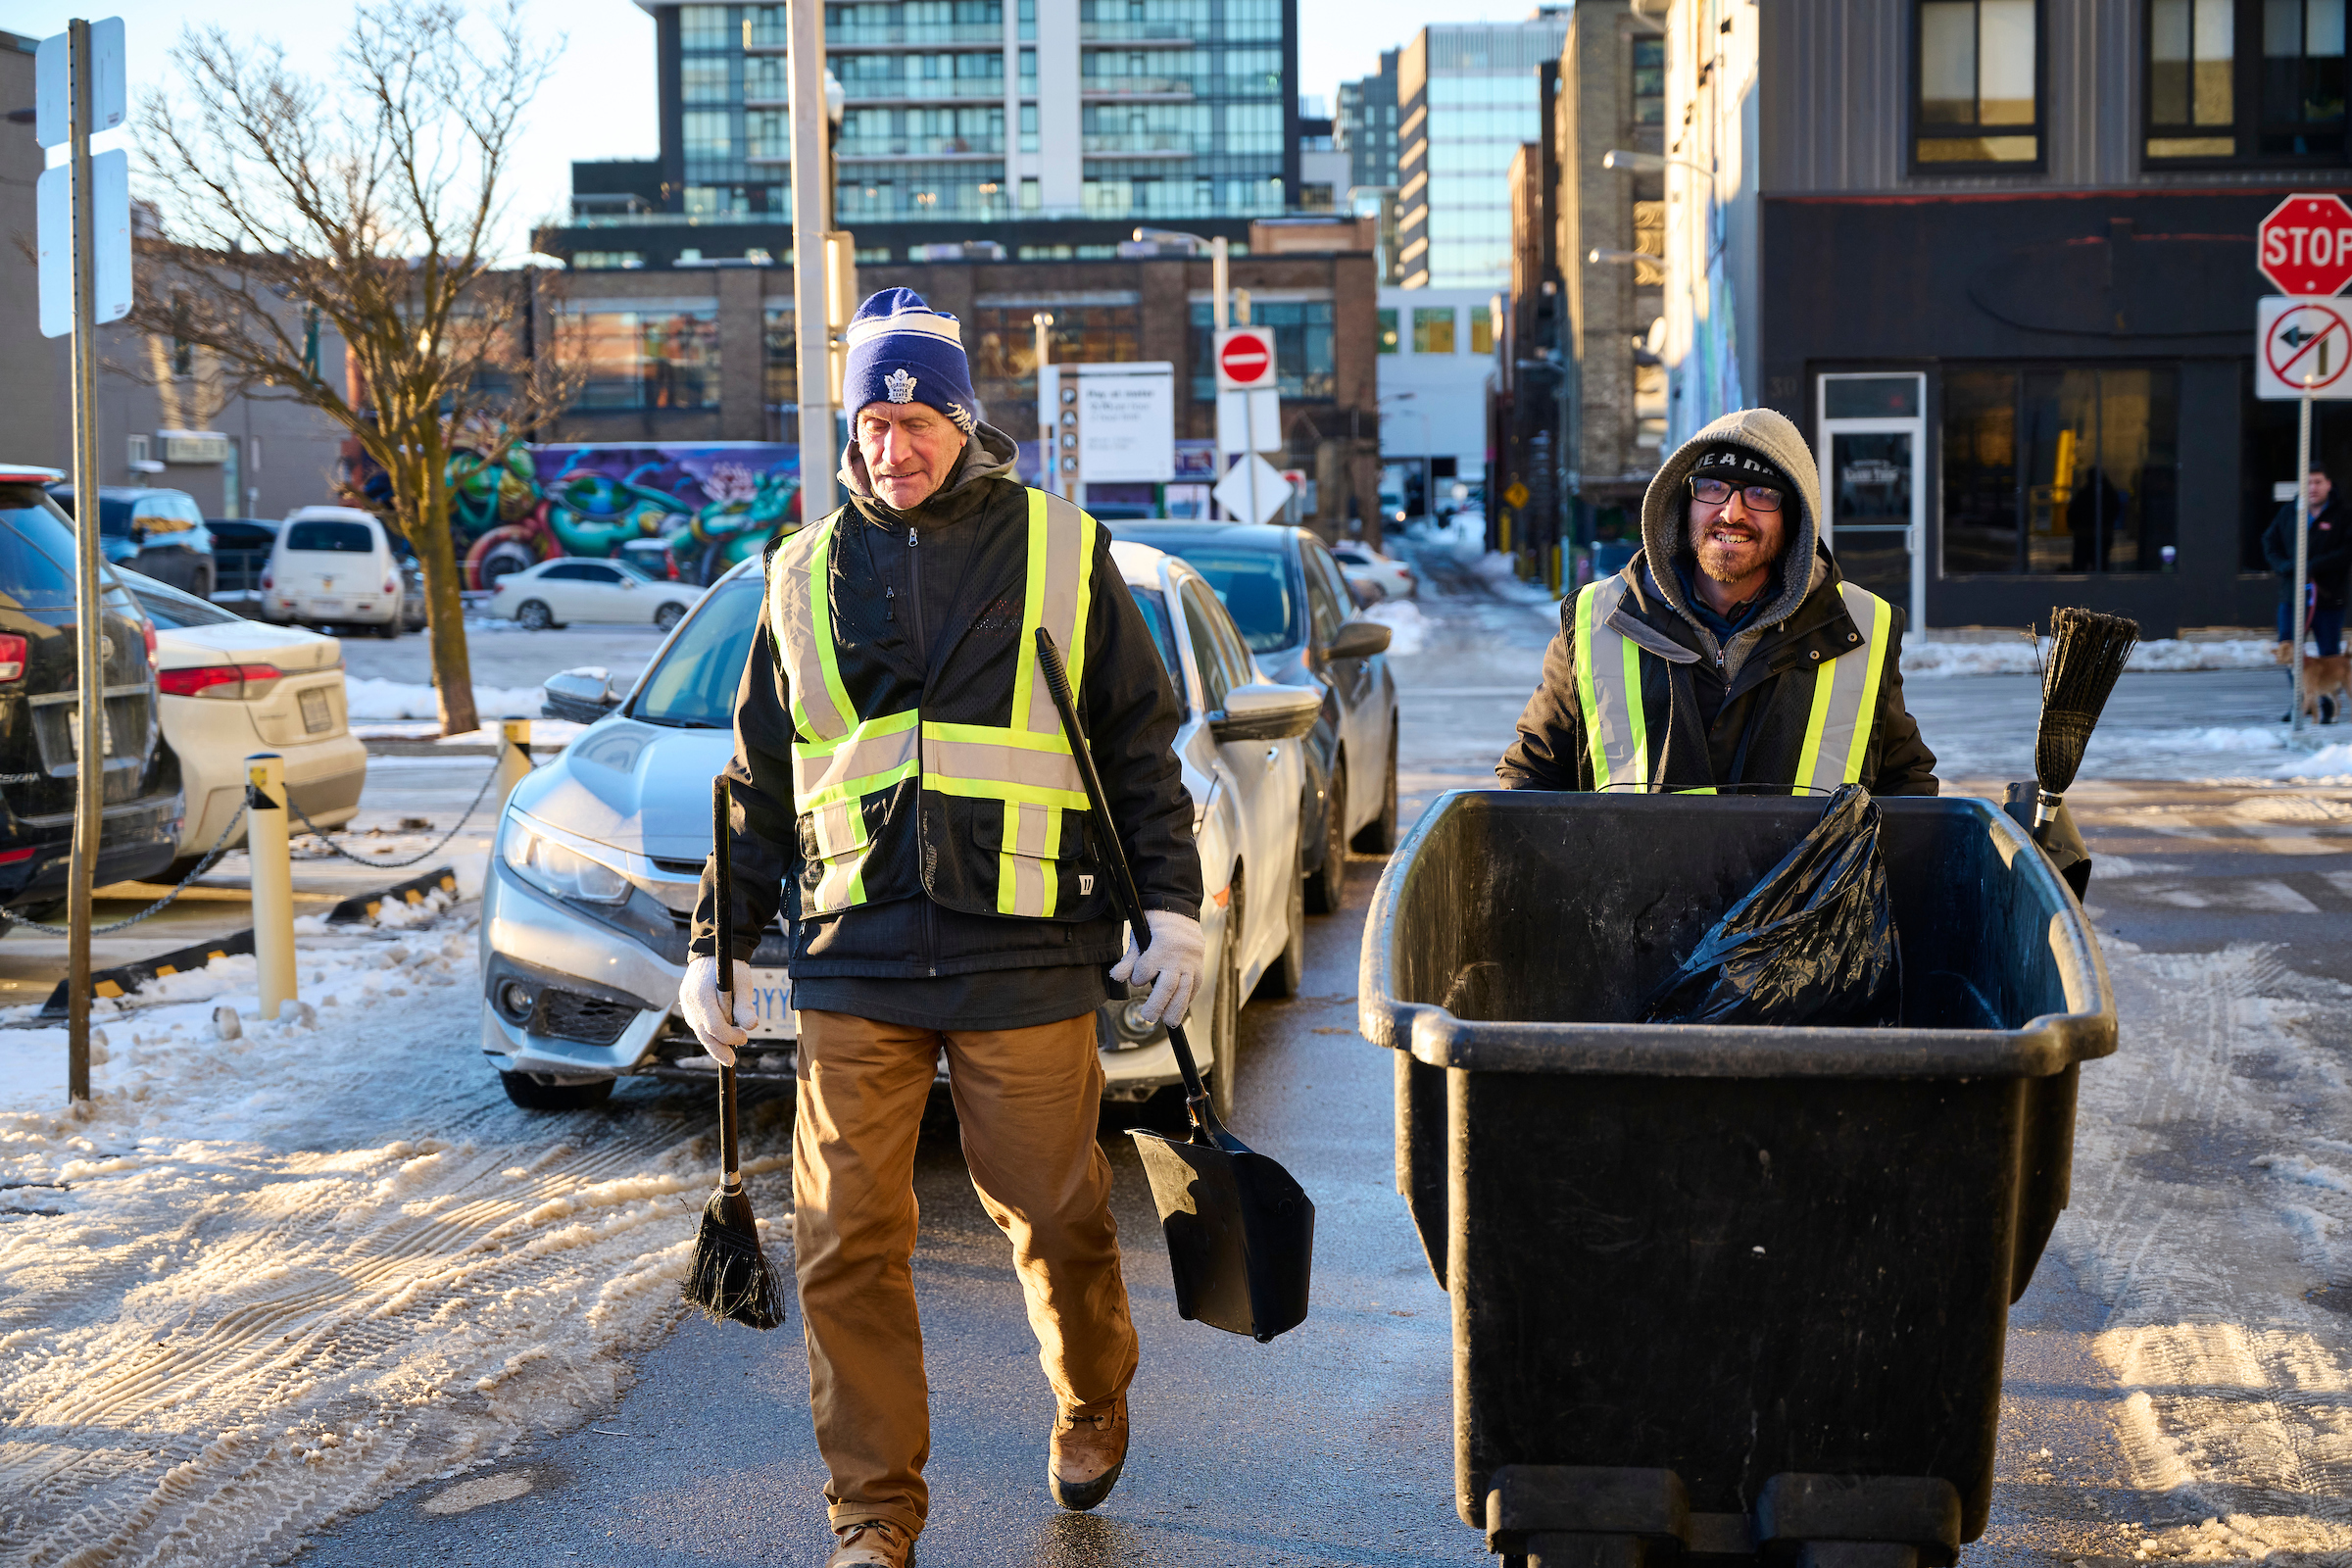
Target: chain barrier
[[218, 849], [332, 848]]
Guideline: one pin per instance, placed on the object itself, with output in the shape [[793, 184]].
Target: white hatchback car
[[568, 588], [335, 567], [231, 687], [586, 909]]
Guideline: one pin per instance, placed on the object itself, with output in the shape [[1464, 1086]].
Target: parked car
[[652, 558], [1372, 575], [555, 593], [231, 687], [1289, 598], [591, 889], [41, 732], [241, 549], [159, 533], [335, 567]]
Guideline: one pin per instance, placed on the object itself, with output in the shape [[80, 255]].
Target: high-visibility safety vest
[[995, 772], [1609, 691]]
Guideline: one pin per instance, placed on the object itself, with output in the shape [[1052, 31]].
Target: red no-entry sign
[[2305, 246], [1244, 359]]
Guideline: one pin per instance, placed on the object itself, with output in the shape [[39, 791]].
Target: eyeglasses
[[1714, 492]]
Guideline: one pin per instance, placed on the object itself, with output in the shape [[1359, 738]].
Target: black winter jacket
[[1125, 702], [1719, 733], [2327, 564]]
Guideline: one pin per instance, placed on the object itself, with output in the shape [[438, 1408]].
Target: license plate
[[106, 730], [771, 997], [326, 603], [316, 715]]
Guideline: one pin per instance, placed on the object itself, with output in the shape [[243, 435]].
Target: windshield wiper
[[676, 723]]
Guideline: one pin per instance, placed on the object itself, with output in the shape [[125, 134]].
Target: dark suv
[[155, 533], [39, 724]]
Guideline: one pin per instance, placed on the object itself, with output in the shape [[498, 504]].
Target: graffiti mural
[[697, 508]]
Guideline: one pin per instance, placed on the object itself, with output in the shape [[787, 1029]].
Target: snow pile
[[1465, 534], [1927, 659], [1498, 574], [2235, 1373], [371, 698], [2329, 762], [267, 1281], [1408, 628]]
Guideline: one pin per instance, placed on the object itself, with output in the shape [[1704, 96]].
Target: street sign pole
[[1049, 460], [804, 31], [2302, 546], [89, 760]]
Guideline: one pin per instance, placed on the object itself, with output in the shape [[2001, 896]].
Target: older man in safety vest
[[1730, 654], [899, 768]]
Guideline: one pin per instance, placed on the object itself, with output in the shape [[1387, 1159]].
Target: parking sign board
[[2304, 247], [2303, 342]]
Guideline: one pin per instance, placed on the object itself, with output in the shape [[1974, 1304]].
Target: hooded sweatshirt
[[1723, 712]]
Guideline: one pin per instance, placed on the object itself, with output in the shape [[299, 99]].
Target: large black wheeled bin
[[1724, 1290]]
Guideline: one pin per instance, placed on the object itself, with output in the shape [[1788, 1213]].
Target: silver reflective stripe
[[841, 885], [955, 765], [800, 616], [1608, 690], [1846, 697], [1061, 547], [877, 755], [838, 828], [1028, 879]]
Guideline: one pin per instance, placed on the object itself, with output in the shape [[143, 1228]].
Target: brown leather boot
[[872, 1543], [1086, 1456]]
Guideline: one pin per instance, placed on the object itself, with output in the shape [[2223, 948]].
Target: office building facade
[[1466, 102]]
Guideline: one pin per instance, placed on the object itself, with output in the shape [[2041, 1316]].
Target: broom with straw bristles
[[2087, 653], [730, 1276]]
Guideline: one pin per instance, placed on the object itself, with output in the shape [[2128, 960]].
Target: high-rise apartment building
[[1030, 122], [1365, 128], [1466, 101]]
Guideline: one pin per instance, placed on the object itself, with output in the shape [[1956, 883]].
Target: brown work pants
[[1027, 1100]]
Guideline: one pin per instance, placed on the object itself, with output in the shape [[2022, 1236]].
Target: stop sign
[[2305, 246], [1246, 358]]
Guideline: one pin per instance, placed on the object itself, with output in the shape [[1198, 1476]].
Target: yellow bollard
[[1551, 577], [272, 879], [514, 761], [1502, 535]]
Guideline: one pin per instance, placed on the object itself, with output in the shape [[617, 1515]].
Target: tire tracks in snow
[[301, 1270]]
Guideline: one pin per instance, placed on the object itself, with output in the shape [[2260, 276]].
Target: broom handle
[[1114, 859], [723, 885]]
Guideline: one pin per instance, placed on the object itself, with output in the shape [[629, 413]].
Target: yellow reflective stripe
[[1875, 642], [1028, 879], [1808, 757], [800, 619], [875, 755], [1056, 591], [841, 885], [1636, 717], [993, 735], [1584, 696]]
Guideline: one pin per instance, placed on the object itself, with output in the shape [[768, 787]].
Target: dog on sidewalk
[[2327, 683]]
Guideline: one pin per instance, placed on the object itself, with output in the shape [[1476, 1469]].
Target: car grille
[[128, 711], [589, 1020], [678, 867]]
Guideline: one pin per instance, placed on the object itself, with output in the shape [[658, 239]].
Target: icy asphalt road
[[2182, 1358]]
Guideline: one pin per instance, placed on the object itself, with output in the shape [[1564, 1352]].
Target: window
[[1198, 614], [1482, 330], [694, 685], [1327, 596], [1002, 340], [2049, 469], [705, 27], [783, 383], [1155, 620], [1649, 81], [2253, 80], [334, 538], [1255, 587], [644, 359], [1433, 329], [1978, 82], [1387, 331], [1302, 353]]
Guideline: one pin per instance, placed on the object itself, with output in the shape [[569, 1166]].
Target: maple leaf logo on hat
[[900, 386]]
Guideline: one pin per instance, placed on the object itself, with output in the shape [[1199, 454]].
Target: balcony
[[860, 149], [1142, 143], [991, 33], [1170, 34], [921, 90], [1135, 86]]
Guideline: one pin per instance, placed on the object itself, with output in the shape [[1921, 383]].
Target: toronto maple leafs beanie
[[903, 351]]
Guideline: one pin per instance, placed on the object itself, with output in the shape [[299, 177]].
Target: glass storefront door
[[1872, 434]]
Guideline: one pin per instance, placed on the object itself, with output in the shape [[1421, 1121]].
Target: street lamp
[[1632, 162], [1147, 235], [1049, 461], [1603, 258]]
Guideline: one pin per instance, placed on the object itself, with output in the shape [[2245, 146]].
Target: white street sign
[[1113, 423], [51, 97], [1260, 500], [2302, 337], [1250, 422], [53, 203]]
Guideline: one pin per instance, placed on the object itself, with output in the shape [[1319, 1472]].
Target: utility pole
[[812, 319], [2302, 548], [1049, 458], [90, 748]]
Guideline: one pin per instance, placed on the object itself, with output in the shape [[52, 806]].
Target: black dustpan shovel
[[1241, 1231]]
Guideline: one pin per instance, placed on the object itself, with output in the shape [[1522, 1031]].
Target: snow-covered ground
[[261, 1282]]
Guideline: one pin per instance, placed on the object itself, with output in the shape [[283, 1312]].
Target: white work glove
[[1172, 966], [717, 1026]]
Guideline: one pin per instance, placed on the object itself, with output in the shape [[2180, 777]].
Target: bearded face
[[1734, 543]]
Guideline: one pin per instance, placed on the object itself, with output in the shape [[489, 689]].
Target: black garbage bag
[[1813, 943]]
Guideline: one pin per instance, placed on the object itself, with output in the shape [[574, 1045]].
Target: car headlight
[[558, 868]]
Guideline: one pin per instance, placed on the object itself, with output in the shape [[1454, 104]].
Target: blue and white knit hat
[[903, 351]]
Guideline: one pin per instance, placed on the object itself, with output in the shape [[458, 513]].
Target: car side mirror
[[1260, 712], [1358, 639], [582, 696]]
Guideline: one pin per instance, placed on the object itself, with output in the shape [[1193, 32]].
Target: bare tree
[[370, 209]]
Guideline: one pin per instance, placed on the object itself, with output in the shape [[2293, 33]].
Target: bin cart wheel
[[1288, 971], [1378, 835], [534, 1094], [1329, 879]]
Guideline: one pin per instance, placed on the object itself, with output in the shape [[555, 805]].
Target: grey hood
[[990, 454], [1664, 520]]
